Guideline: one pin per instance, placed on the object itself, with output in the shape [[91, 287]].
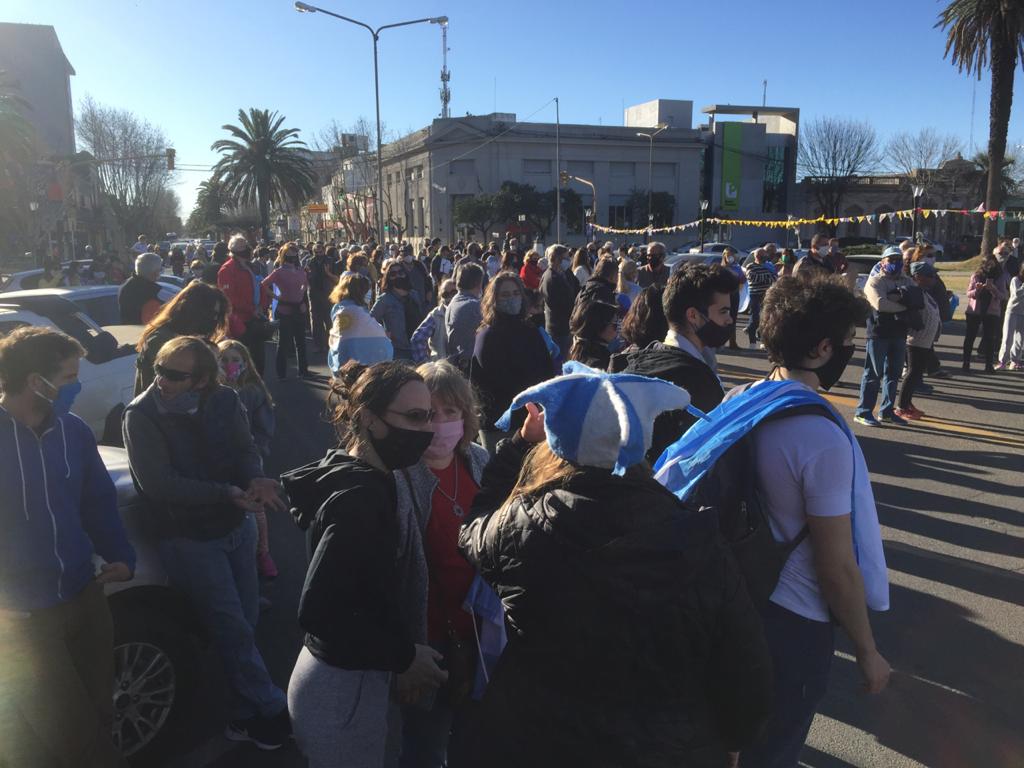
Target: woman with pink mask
[[439, 491]]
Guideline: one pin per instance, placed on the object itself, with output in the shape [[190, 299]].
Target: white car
[[158, 636], [99, 302], [107, 371], [29, 278]]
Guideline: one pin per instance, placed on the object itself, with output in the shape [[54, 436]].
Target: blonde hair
[[250, 376], [351, 286], [447, 383], [204, 357], [627, 271], [542, 469]]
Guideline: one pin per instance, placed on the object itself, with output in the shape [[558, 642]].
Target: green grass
[[968, 265]]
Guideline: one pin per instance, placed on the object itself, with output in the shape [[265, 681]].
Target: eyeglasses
[[172, 375], [416, 416]]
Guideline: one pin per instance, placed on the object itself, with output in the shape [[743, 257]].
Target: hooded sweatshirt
[[59, 507], [670, 363]]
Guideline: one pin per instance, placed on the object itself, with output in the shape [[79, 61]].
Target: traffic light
[[563, 177], [170, 159]]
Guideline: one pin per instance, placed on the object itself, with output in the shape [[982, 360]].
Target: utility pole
[[446, 93], [764, 93], [558, 191]]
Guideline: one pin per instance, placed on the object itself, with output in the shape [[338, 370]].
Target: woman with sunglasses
[[200, 475], [198, 309], [363, 605]]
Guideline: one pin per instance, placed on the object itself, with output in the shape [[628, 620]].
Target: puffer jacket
[[632, 640]]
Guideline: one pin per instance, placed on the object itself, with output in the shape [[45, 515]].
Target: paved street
[[948, 491]]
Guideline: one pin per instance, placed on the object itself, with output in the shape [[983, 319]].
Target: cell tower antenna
[[446, 76]]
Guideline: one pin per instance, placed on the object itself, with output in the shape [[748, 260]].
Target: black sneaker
[[267, 733]]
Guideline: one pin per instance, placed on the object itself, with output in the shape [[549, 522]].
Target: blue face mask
[[892, 267], [184, 404], [65, 398]]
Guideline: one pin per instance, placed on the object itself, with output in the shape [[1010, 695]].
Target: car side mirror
[[101, 348]]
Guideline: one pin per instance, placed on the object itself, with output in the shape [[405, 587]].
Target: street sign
[[316, 208]]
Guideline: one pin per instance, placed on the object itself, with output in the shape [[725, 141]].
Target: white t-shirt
[[805, 467]]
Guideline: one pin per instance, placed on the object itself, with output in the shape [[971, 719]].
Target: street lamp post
[[650, 174], [703, 212], [375, 34], [918, 192]]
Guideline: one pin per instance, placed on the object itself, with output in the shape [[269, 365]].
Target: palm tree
[[263, 164], [1007, 183], [988, 34]]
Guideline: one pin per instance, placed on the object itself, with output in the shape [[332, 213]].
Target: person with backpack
[[893, 297], [795, 503], [697, 303], [632, 640]]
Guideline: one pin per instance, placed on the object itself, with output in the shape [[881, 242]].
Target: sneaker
[[267, 733], [918, 413], [999, 366], [867, 421], [266, 566], [906, 414], [894, 418]]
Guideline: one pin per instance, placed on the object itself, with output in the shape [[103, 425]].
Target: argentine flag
[[355, 335]]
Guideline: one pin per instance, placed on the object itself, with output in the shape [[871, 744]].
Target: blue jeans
[[801, 652], [219, 577], [883, 364], [754, 308]]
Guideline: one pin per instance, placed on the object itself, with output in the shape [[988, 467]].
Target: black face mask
[[401, 448], [829, 373], [402, 283], [712, 334]]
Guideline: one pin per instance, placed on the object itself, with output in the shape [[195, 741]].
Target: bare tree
[[131, 164], [833, 151], [924, 151]]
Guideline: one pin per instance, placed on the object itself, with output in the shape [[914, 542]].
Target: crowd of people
[[514, 557]]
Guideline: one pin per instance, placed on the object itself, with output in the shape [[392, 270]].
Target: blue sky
[[188, 65]]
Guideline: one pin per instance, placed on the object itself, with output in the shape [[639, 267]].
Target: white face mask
[[930, 260]]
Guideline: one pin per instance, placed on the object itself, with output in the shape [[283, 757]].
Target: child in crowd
[[238, 372]]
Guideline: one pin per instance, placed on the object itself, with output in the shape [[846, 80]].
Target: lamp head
[[304, 7], [442, 20]]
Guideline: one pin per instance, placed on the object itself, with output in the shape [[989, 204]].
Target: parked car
[[29, 279], [99, 302], [107, 371], [157, 636]]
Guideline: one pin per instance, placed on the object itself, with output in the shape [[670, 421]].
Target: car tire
[[155, 679]]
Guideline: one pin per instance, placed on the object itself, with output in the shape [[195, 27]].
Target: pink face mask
[[233, 370], [446, 436]]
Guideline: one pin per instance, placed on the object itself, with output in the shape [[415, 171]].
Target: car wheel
[[154, 680]]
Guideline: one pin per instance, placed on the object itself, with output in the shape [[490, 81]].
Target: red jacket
[[237, 281], [530, 275]]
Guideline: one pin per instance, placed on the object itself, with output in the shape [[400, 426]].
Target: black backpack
[[730, 487]]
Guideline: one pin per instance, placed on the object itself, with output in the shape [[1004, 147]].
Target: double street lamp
[[650, 172], [704, 204], [375, 34], [918, 191]]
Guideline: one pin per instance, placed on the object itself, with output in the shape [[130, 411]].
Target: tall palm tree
[[263, 164], [988, 34]]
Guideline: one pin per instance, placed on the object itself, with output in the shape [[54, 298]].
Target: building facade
[[426, 173]]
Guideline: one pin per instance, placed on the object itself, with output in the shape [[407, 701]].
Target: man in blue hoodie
[[59, 506]]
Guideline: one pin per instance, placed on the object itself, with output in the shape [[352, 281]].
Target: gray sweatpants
[[343, 718]]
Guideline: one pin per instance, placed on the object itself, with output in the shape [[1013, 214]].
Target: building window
[[622, 170], [417, 172], [618, 214], [462, 167], [537, 167], [582, 168], [774, 199]]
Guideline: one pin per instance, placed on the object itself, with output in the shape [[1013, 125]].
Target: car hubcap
[[144, 688]]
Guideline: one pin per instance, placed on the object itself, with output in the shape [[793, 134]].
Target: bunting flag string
[[790, 223]]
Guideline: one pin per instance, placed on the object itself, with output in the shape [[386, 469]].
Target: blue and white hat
[[599, 419]]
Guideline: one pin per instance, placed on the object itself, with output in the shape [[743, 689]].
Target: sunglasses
[[172, 375], [416, 416]]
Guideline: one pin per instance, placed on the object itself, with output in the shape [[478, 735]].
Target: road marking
[[928, 421]]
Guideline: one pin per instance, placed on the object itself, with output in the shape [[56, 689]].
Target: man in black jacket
[[697, 303]]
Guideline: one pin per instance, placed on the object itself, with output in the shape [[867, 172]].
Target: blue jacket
[[59, 505]]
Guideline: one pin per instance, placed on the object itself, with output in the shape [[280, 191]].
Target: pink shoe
[[907, 414], [266, 566], [1000, 366]]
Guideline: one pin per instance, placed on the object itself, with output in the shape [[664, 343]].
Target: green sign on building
[[732, 171]]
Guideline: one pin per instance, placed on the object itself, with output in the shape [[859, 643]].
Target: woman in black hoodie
[[362, 605], [593, 328], [510, 354]]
